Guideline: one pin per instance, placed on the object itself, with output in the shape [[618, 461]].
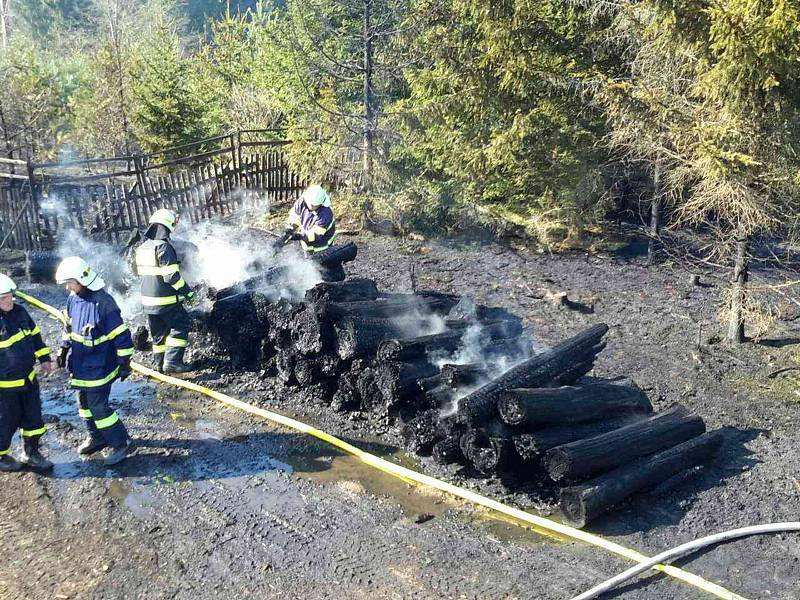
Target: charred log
[[265, 280], [346, 291], [335, 255], [41, 266], [459, 375], [359, 337], [538, 407], [284, 364], [447, 451], [532, 446], [383, 308], [609, 450], [397, 382], [347, 396], [583, 503], [310, 334], [371, 397], [438, 397], [481, 404], [489, 450], [239, 322], [420, 433], [448, 341]]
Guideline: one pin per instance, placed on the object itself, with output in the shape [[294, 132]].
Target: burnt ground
[[216, 504]]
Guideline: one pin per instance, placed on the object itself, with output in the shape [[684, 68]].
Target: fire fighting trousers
[[98, 417], [20, 408], [170, 333]]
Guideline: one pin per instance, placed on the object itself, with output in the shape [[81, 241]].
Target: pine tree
[[173, 105]]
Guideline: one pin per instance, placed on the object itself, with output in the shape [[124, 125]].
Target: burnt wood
[[538, 407], [532, 446], [594, 455], [349, 290], [583, 503], [537, 371]]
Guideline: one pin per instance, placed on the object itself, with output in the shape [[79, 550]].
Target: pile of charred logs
[[466, 387]]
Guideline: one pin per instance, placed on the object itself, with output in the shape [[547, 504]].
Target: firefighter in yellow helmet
[[163, 293]]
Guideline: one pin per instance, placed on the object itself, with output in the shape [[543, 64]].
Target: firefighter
[[20, 404], [311, 221], [163, 293], [96, 348]]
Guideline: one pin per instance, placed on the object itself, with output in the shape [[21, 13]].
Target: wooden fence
[[37, 200]]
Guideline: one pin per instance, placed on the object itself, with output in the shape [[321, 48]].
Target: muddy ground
[[216, 504]]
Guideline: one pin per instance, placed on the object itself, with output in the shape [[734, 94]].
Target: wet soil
[[215, 503]]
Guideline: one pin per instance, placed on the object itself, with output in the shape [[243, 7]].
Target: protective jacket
[[20, 345], [316, 228], [162, 285], [98, 340]]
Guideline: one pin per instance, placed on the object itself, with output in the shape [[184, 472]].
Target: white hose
[[684, 549]]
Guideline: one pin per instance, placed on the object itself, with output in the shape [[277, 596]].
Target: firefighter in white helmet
[[96, 349], [20, 403], [311, 221], [163, 293]]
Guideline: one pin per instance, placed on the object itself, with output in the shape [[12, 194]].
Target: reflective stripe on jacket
[[162, 284], [317, 228], [98, 339], [20, 345]]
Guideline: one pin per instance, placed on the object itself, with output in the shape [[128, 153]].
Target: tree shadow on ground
[[779, 342]]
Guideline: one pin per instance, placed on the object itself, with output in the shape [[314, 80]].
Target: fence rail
[[108, 206]]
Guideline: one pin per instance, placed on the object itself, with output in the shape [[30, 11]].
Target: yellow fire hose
[[511, 514]]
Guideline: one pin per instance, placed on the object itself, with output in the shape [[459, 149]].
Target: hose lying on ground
[[683, 550], [514, 515]]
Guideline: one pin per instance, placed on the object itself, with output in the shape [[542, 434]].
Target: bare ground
[[217, 504]]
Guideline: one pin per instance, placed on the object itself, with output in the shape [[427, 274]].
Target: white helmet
[[7, 284], [74, 267], [315, 196], [165, 217]]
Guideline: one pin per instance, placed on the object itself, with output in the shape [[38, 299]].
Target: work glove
[[190, 295], [61, 359], [124, 371]]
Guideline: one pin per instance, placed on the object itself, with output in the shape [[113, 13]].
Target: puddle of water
[[344, 469], [136, 499], [507, 529]]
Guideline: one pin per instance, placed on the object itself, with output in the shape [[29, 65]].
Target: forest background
[[548, 119]]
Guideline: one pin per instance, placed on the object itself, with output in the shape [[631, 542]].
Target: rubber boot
[[112, 456], [173, 361], [31, 456], [9, 464], [93, 443], [158, 361]]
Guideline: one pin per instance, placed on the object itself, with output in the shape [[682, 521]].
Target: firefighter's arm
[[63, 347], [318, 227], [40, 349], [168, 259], [118, 334]]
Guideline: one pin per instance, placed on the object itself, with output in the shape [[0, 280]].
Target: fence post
[[34, 204]]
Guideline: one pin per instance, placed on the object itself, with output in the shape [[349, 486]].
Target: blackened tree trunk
[[656, 207], [538, 407], [610, 450], [580, 504], [739, 293]]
